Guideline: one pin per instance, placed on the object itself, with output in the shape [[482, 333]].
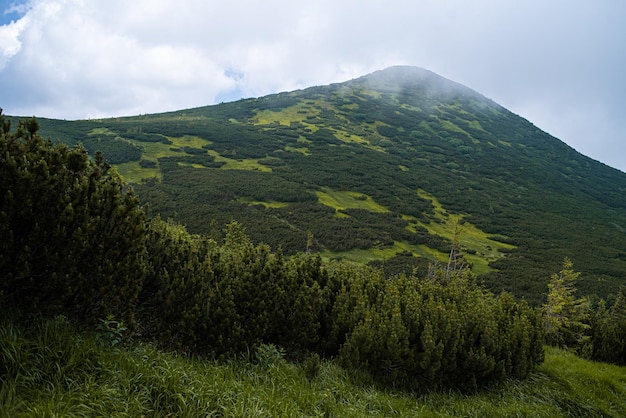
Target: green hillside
[[389, 168]]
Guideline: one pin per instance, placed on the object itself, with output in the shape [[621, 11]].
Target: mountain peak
[[402, 72], [412, 80]]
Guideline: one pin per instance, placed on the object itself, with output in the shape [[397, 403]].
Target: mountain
[[393, 168]]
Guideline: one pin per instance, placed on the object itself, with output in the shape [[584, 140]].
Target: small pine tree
[[565, 314]]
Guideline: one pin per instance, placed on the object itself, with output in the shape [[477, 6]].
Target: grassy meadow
[[50, 370]]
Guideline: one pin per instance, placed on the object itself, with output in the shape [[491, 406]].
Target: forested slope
[[390, 168]]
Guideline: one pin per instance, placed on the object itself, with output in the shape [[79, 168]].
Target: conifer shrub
[[607, 340], [177, 301], [230, 298], [431, 333], [72, 231]]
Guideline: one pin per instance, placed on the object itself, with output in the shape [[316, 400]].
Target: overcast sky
[[559, 63]]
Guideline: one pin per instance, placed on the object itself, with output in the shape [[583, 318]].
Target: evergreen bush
[[72, 231], [225, 300], [427, 333], [608, 331]]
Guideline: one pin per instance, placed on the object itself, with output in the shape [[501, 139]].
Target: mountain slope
[[392, 168]]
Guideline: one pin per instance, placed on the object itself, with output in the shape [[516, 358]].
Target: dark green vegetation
[[72, 234], [379, 169]]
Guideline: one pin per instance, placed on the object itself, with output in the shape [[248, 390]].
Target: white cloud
[[10, 43]]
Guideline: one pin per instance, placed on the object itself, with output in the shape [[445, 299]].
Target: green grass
[[133, 172], [302, 111], [50, 370], [152, 151], [480, 247], [299, 113], [267, 204], [364, 256], [301, 150], [339, 200], [483, 248]]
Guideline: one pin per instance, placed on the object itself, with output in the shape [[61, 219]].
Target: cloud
[[557, 63], [10, 33]]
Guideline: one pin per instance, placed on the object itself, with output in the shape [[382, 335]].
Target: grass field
[[339, 200], [49, 370]]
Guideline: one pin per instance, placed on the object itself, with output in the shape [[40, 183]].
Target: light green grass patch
[[132, 172], [159, 150], [192, 165], [371, 93], [188, 141], [474, 124], [155, 150], [410, 107], [102, 131], [449, 126], [251, 164], [268, 204], [470, 237], [340, 200], [301, 150], [363, 256], [350, 138], [299, 112], [247, 164], [152, 151], [425, 126]]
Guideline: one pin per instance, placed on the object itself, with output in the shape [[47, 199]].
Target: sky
[[561, 64]]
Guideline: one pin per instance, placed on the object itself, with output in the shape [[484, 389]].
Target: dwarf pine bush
[[72, 231], [225, 299], [607, 340], [427, 334]]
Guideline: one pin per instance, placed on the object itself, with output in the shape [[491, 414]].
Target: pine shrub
[[425, 334], [230, 298], [608, 331], [72, 231]]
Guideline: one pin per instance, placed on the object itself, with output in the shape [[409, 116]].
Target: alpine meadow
[[397, 244]]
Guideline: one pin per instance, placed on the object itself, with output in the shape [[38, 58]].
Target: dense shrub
[[430, 333], [229, 298], [72, 232], [570, 322], [608, 332], [173, 305], [116, 149]]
